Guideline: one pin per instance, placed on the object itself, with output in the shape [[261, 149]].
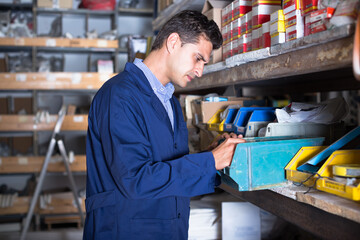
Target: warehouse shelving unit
[[49, 90], [314, 63]]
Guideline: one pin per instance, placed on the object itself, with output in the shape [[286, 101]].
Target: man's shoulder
[[123, 82]]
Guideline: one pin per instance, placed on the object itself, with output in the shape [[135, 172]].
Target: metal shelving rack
[[93, 82]]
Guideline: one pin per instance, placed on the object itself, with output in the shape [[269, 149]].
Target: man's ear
[[172, 42]]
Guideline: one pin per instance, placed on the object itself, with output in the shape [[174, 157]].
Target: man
[[140, 176]]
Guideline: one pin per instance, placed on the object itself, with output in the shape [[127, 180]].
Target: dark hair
[[190, 25]]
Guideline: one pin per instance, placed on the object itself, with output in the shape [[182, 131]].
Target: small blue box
[[243, 116], [259, 163], [229, 120]]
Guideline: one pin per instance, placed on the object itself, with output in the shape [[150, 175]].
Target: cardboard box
[[212, 10], [54, 3], [203, 110], [277, 38], [308, 6]]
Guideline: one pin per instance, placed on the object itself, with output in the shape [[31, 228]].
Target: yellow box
[[301, 157], [323, 179], [326, 181], [215, 123]]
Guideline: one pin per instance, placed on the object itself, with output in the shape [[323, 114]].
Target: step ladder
[[55, 140]]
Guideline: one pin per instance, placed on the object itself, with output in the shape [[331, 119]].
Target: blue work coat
[[140, 176]]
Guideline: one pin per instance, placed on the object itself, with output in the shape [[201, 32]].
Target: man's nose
[[199, 69]]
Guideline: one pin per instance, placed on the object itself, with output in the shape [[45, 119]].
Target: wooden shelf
[[58, 205], [29, 123], [20, 206], [12, 165], [61, 203], [53, 80], [58, 42]]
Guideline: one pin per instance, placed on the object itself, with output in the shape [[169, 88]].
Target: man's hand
[[221, 138], [224, 153]]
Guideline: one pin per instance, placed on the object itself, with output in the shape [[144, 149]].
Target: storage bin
[[259, 163]]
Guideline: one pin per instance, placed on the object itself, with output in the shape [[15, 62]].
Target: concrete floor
[[58, 234]]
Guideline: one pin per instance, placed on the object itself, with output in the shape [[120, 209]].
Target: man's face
[[188, 61]]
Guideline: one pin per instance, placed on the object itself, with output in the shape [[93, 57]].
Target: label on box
[[290, 22], [290, 5], [277, 27], [19, 41], [308, 6], [75, 43], [277, 16], [23, 119], [50, 77], [102, 43], [78, 119], [336, 186], [76, 78], [20, 77], [293, 33], [321, 14], [294, 18], [318, 26], [50, 42], [23, 161], [56, 3], [0, 161], [236, 31]]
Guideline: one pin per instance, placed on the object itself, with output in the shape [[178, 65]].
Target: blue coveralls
[[140, 176]]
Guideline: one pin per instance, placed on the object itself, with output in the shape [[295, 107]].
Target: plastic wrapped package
[[345, 13]]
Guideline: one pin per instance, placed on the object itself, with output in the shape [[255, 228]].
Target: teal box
[[259, 163]]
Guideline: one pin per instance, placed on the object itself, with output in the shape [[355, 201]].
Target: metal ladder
[[54, 140]]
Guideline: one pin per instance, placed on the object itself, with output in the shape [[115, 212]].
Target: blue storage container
[[259, 163], [229, 120], [243, 116], [259, 119]]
